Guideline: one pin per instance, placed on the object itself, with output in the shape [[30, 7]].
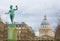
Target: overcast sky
[[32, 12]]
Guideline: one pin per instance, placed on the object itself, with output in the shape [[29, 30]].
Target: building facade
[[1, 30], [24, 32], [5, 31], [57, 33]]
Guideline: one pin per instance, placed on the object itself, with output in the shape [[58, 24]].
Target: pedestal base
[[12, 33]]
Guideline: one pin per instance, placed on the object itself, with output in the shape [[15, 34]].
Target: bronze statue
[[11, 11]]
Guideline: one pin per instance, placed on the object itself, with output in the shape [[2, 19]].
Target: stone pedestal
[[12, 33]]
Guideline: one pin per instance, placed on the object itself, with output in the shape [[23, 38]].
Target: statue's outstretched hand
[[16, 6], [6, 13]]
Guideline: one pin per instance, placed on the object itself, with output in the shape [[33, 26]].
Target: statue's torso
[[11, 12]]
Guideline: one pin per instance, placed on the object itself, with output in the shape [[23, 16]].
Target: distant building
[[45, 28], [5, 32], [57, 33], [45, 31], [24, 32], [1, 30]]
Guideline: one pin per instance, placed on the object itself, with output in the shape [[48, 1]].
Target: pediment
[[46, 36]]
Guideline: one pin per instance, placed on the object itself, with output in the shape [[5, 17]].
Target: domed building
[[45, 31]]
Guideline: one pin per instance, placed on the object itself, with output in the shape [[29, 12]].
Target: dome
[[45, 22]]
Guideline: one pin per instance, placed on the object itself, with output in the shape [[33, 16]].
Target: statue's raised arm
[[16, 8]]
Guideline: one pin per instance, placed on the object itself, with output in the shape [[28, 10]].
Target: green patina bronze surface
[[12, 33], [12, 25], [11, 11]]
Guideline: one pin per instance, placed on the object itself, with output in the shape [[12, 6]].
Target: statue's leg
[[11, 17]]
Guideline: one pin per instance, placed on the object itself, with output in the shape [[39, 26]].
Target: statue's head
[[11, 6]]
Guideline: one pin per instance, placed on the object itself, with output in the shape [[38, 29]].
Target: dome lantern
[[45, 22], [45, 17]]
